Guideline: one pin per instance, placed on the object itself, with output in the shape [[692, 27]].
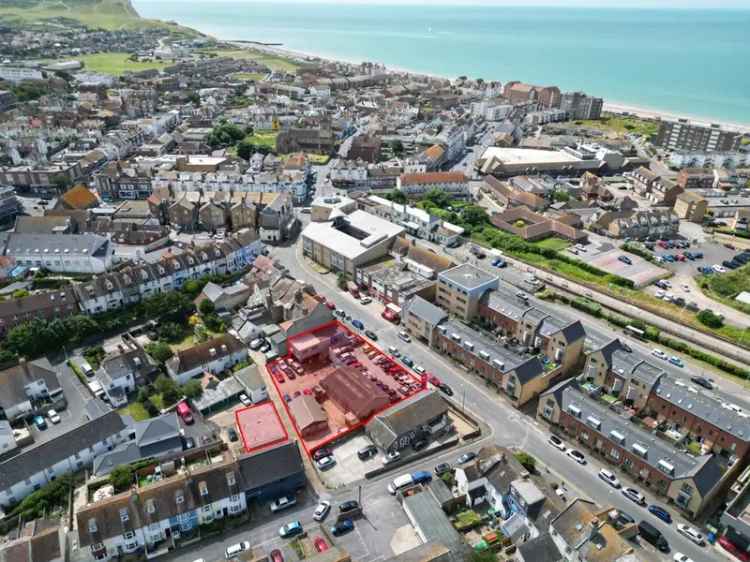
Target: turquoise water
[[689, 62]]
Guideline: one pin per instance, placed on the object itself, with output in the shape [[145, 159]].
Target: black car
[[624, 518], [322, 453], [442, 468], [446, 389], [729, 264], [407, 361], [419, 445], [342, 527], [349, 506], [367, 452], [703, 381], [372, 335], [232, 434]]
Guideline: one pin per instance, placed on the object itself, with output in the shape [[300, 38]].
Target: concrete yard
[[640, 271], [349, 468]]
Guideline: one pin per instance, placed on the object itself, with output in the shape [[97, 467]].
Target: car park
[[660, 512], [282, 503], [53, 416], [325, 463], [577, 456], [557, 443], [609, 478], [291, 529], [322, 510], [342, 527], [236, 549], [691, 533], [634, 495], [466, 458], [624, 518], [367, 452]]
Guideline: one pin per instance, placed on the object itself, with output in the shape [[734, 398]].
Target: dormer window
[[92, 526], [179, 498], [230, 479], [124, 516]]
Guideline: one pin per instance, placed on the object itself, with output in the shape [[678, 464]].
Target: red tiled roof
[[433, 177]]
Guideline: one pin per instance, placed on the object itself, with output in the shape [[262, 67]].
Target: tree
[[341, 281], [475, 216], [121, 477], [171, 332], [710, 318], [160, 351], [61, 183], [245, 149], [397, 197], [206, 307], [225, 134], [214, 323], [526, 460], [192, 389], [194, 98], [396, 146], [168, 389], [560, 196]]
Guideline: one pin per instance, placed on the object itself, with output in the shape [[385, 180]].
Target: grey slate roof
[[540, 549], [406, 416], [426, 311], [151, 431], [270, 465], [122, 454], [65, 445], [14, 379], [76, 244], [430, 519], [703, 406]]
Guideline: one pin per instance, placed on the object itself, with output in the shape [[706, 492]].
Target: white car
[[325, 463], [719, 268], [245, 399], [660, 354], [634, 495], [322, 510], [686, 288], [255, 344], [391, 457], [660, 294], [394, 351], [236, 549], [691, 533], [53, 416], [404, 336], [609, 478], [365, 300], [557, 443], [577, 456], [282, 503], [680, 557], [419, 369]]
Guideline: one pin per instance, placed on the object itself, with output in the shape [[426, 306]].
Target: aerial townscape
[[259, 305]]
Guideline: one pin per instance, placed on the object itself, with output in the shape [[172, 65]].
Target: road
[[509, 426]]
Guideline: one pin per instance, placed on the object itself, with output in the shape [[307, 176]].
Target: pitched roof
[[192, 357], [540, 549], [148, 432], [79, 197], [426, 311], [408, 415], [433, 177], [270, 465], [13, 382]]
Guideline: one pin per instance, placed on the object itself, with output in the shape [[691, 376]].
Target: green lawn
[[621, 125], [249, 76], [263, 138], [135, 410], [116, 64], [273, 62], [553, 243]]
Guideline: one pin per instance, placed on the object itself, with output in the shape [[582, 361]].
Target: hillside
[[103, 14]]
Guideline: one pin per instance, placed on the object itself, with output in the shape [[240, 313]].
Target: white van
[[401, 482]]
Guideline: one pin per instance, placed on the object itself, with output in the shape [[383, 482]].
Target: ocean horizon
[[682, 62]]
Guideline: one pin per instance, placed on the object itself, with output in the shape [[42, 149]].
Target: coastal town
[[264, 306]]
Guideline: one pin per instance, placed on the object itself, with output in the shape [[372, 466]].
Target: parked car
[[322, 510], [189, 443], [291, 529], [466, 458], [676, 361], [282, 503], [634, 495], [660, 512], [320, 544], [325, 463], [442, 468], [680, 557], [691, 534], [660, 354], [702, 381], [276, 555], [232, 434], [349, 506], [236, 549], [394, 351], [245, 400], [365, 300], [391, 457], [407, 361], [625, 259], [372, 335], [609, 478], [557, 443], [445, 389], [342, 527], [577, 456], [322, 452], [653, 535], [367, 452], [404, 336], [53, 416], [419, 369], [358, 324], [39, 423]]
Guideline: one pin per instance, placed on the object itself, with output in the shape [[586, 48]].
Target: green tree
[[171, 332], [206, 307], [397, 147], [397, 197], [245, 149], [483, 556], [121, 477], [709, 318], [194, 98], [225, 134], [192, 389], [560, 196], [475, 216], [61, 183], [168, 389], [341, 281], [160, 351], [526, 460]]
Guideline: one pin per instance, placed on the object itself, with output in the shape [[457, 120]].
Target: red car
[[279, 377], [276, 555], [320, 544], [330, 305], [730, 547], [434, 380]]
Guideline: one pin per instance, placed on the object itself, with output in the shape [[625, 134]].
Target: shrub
[[160, 351], [526, 460], [206, 307], [710, 319]]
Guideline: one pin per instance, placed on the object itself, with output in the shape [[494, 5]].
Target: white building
[[213, 356], [730, 160], [415, 186], [17, 74]]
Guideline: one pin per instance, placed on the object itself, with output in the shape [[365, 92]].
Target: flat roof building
[[460, 288], [506, 162]]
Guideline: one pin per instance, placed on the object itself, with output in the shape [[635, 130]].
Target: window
[[92, 526], [615, 454], [234, 499], [124, 514], [128, 535], [179, 498]]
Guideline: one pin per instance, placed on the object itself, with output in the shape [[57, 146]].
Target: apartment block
[[460, 289], [580, 106], [683, 135]]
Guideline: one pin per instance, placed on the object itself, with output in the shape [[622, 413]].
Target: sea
[[687, 62]]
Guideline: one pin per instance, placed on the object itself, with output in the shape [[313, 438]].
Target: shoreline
[[609, 106]]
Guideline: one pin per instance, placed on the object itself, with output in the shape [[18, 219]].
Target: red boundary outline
[[265, 445]]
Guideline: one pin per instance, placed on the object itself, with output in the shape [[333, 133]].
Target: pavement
[[508, 426]]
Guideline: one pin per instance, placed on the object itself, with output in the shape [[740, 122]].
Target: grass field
[[553, 243], [621, 125], [271, 61], [116, 64], [135, 410], [254, 76], [263, 138]]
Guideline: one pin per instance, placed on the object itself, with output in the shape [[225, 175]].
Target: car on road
[[445, 389], [577, 456], [702, 381], [342, 527], [676, 361], [245, 400], [358, 324], [236, 549], [660, 354], [367, 452], [322, 510], [372, 335], [442, 468], [53, 416], [282, 503], [691, 534], [733, 549], [419, 369], [39, 422], [291, 529], [466, 458], [660, 512], [557, 443], [325, 463], [609, 478], [276, 555], [680, 557], [394, 351], [404, 336], [365, 300], [407, 361], [634, 495], [322, 452]]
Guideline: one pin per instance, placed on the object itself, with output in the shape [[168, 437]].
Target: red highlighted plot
[[260, 426], [333, 381]]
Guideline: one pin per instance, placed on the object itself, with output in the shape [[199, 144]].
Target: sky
[[653, 4]]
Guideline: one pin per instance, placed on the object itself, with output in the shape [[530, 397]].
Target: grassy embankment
[[274, 62], [117, 64], [621, 125]]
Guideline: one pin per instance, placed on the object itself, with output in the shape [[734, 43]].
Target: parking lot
[[349, 468], [613, 260]]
